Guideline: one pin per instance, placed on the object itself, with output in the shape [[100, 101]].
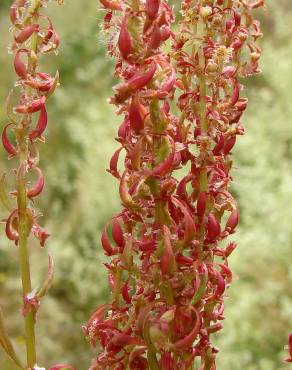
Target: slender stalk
[[24, 262], [29, 318]]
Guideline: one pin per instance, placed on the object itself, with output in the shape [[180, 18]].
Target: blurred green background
[[80, 196]]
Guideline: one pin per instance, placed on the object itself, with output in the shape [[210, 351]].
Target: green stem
[[29, 317]]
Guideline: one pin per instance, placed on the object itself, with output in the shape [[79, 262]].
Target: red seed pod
[[136, 153], [112, 5], [188, 340], [138, 81], [125, 196], [35, 106], [183, 260], [10, 149], [41, 125], [165, 166], [56, 40], [123, 129], [232, 222], [168, 85], [125, 293], [237, 18], [229, 26], [124, 41], [165, 33], [19, 66], [117, 232], [213, 227], [11, 232], [152, 8], [135, 117], [189, 224], [235, 94], [14, 9], [220, 284], [122, 339], [201, 205], [49, 29], [229, 72], [26, 33], [39, 185], [109, 250], [181, 190], [167, 260], [229, 145], [219, 146], [155, 39], [114, 163]]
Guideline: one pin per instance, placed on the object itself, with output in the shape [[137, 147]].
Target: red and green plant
[[168, 270], [34, 36], [180, 98]]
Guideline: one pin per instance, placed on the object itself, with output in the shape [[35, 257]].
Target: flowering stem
[[31, 92], [29, 318]]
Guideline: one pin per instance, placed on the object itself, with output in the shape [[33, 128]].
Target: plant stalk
[[24, 262]]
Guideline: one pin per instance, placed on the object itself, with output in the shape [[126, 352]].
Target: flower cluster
[[168, 271], [34, 35]]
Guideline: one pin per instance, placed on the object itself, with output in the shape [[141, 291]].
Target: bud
[[152, 8], [117, 233], [155, 39], [106, 244], [167, 260], [135, 117], [213, 227], [232, 222], [124, 41]]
